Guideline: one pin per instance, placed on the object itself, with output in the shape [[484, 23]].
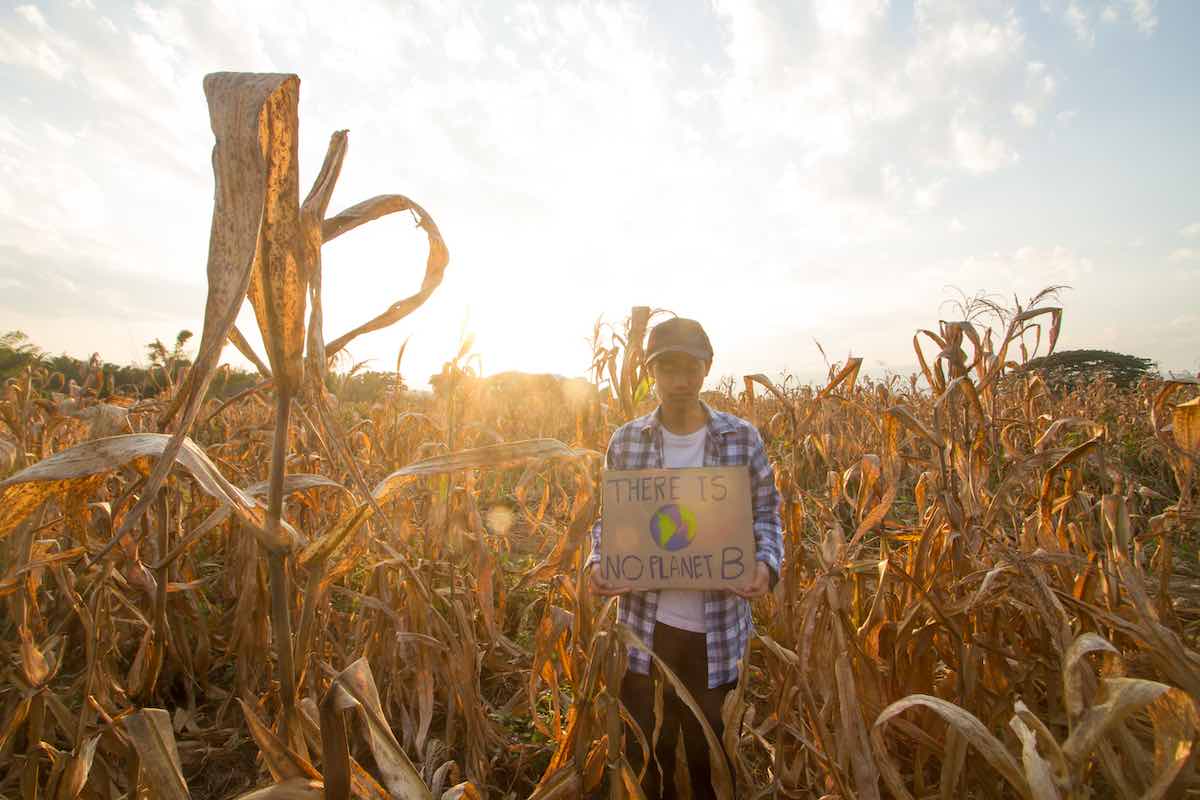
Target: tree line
[[166, 365]]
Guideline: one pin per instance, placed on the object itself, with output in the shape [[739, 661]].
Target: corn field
[[991, 586]]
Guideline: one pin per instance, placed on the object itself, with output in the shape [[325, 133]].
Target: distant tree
[[363, 386], [16, 351], [1070, 368], [102, 379], [169, 361]]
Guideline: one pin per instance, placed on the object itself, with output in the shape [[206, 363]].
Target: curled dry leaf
[[21, 493], [435, 265], [489, 457], [967, 726], [463, 791]]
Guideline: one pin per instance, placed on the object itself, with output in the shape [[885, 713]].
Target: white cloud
[[782, 140], [1039, 80], [1190, 231], [1185, 321], [34, 17], [959, 34], [1077, 20], [1181, 255], [978, 152], [1066, 116], [848, 18], [1026, 269], [1025, 115], [465, 43], [33, 43], [929, 196], [1142, 12], [1078, 15]]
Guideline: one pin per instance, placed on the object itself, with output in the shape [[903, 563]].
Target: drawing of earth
[[673, 527]]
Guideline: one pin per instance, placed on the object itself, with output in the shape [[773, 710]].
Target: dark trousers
[[685, 653]]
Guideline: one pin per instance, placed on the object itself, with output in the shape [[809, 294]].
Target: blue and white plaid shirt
[[731, 441]]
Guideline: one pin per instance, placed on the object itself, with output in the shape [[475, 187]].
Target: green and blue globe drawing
[[673, 527]]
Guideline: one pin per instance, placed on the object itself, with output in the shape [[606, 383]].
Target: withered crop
[[990, 586]]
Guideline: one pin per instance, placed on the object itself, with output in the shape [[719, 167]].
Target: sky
[[789, 173]]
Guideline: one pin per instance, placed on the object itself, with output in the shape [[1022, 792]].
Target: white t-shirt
[[683, 608]]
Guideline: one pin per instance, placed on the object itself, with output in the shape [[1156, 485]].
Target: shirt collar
[[717, 424]]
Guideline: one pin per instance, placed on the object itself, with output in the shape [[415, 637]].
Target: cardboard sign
[[677, 528]]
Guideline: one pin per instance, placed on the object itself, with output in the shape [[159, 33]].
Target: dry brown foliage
[[988, 590]]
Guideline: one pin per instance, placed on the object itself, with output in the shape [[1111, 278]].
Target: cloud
[[1142, 13], [976, 151], [1181, 255], [1025, 116], [465, 43], [1066, 116], [551, 141], [32, 43], [929, 196], [1027, 269], [1190, 231], [1077, 20], [1039, 80], [83, 286]]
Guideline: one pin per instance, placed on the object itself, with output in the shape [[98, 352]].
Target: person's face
[[678, 378]]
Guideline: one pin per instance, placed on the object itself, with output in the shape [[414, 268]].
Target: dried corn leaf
[[283, 763], [20, 494], [969, 727], [435, 265], [489, 457], [1124, 696], [1037, 769], [150, 731], [1185, 426], [242, 161], [279, 282], [79, 766], [1073, 663], [399, 775], [292, 789]]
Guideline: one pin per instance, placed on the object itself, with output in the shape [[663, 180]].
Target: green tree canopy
[[1070, 368]]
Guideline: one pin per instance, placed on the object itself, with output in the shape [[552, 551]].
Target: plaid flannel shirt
[[731, 441]]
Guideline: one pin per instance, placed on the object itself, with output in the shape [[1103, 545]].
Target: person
[[700, 635]]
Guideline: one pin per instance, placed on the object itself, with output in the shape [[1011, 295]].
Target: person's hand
[[602, 587], [757, 587]]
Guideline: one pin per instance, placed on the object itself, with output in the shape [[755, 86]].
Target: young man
[[699, 634]]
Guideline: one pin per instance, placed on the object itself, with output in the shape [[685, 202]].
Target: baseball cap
[[678, 335]]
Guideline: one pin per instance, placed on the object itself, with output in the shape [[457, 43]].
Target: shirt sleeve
[[611, 459], [768, 524]]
